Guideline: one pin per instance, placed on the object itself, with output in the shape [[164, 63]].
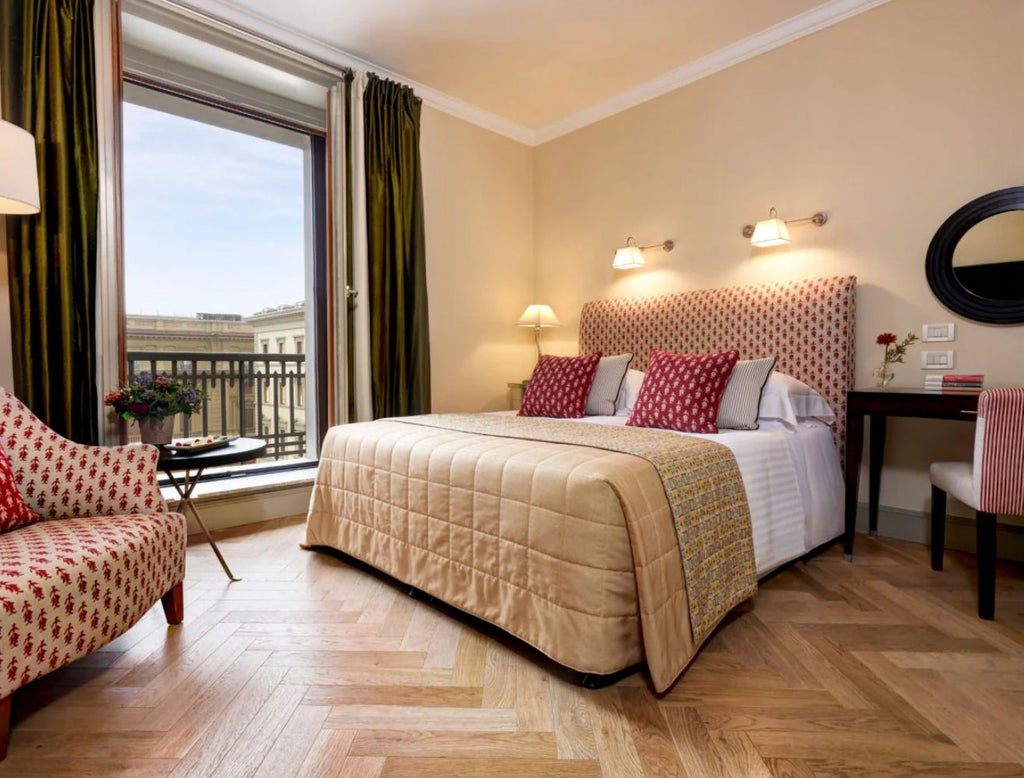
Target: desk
[[880, 404], [171, 462]]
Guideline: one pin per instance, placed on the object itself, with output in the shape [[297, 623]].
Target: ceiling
[[535, 69]]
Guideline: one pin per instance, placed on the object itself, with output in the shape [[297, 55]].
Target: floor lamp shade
[[19, 181]]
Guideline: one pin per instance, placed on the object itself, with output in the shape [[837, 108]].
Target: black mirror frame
[[938, 263]]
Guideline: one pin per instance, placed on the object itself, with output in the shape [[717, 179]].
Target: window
[[229, 202]]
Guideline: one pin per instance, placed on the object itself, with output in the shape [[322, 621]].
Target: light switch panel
[[933, 333], [936, 360]]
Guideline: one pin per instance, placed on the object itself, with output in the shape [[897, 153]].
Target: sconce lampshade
[[770, 232], [628, 257], [19, 182], [538, 316]]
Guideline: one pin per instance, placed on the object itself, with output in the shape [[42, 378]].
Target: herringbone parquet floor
[[312, 667]]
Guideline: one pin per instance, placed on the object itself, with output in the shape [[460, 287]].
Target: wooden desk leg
[[854, 450], [876, 454]]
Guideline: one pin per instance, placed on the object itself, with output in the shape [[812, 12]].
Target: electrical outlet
[[933, 333], [936, 360]]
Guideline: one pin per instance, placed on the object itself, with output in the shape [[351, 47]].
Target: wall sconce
[[539, 317], [773, 231], [630, 256]]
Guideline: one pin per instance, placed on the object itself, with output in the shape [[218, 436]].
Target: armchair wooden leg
[[938, 526], [986, 565], [5, 725], [174, 603]]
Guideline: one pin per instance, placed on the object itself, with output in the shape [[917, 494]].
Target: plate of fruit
[[203, 443]]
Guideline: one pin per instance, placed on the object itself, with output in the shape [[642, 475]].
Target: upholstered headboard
[[808, 325]]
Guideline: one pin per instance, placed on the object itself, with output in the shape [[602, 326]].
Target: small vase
[[158, 432], [884, 375]]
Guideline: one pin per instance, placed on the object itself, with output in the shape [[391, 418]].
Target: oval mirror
[[975, 262]]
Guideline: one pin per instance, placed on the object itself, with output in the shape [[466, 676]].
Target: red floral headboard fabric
[[807, 325]]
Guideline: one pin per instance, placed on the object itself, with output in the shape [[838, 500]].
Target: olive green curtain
[[49, 88], [399, 330]]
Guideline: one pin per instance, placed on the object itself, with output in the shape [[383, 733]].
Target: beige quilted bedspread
[[569, 547]]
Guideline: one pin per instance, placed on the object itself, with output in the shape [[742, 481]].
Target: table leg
[[185, 502], [854, 450], [876, 454]]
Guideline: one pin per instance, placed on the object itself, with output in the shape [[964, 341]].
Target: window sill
[[243, 485]]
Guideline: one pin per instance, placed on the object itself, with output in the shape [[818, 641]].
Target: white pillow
[[791, 401], [628, 393]]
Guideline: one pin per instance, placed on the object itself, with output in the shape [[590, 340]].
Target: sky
[[213, 218]]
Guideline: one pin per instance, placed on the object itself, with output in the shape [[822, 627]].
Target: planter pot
[[156, 431]]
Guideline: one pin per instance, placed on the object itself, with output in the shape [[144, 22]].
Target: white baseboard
[[960, 532]]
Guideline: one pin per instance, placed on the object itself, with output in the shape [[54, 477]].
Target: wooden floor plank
[[311, 666]]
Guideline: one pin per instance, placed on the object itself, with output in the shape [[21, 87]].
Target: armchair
[[104, 553]]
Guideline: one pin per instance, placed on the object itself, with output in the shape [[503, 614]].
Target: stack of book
[[950, 382]]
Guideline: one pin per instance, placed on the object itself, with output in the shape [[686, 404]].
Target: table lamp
[[539, 317]]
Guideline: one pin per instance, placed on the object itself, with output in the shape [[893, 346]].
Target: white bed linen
[[794, 485]]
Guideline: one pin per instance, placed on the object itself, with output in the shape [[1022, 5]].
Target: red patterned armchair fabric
[[71, 586], [808, 325], [62, 479], [75, 581]]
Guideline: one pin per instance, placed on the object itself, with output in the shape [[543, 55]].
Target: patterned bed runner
[[704, 489]]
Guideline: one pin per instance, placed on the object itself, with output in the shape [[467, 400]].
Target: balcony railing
[[249, 394]]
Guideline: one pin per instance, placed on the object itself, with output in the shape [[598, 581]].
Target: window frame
[[316, 298]]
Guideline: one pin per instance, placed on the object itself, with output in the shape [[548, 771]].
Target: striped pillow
[[741, 400], [607, 383]]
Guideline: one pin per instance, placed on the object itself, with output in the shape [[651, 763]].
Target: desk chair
[[993, 483]]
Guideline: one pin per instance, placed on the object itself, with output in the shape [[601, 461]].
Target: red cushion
[[682, 391], [13, 510], [559, 387]]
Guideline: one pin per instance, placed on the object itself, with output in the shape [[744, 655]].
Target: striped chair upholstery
[[992, 484]]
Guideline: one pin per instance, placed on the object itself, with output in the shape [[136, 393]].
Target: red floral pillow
[[559, 387], [13, 510], [682, 391]]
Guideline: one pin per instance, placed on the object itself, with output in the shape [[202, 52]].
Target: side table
[[879, 404], [192, 465], [516, 390]]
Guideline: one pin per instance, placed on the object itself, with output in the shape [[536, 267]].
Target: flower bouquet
[[894, 352], [153, 402]]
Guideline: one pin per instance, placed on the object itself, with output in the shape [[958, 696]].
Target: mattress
[[794, 485]]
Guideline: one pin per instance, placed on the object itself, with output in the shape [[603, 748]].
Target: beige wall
[[889, 121], [478, 198]]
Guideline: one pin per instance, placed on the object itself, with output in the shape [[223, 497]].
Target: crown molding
[[825, 15], [333, 57], [794, 28]]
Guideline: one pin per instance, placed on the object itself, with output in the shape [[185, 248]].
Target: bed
[[571, 545]]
